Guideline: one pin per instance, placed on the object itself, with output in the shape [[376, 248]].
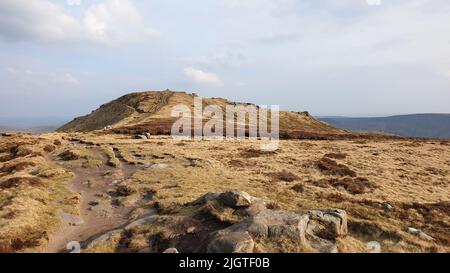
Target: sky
[[64, 58]]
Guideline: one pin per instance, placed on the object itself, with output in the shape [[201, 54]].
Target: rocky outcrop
[[195, 231]]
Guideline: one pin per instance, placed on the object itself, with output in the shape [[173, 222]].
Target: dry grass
[[31, 191], [284, 176], [113, 161], [412, 177], [330, 167], [356, 185]]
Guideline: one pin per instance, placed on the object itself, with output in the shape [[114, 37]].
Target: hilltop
[[151, 111]]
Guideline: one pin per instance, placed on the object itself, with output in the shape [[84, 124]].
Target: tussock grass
[[31, 192], [113, 161]]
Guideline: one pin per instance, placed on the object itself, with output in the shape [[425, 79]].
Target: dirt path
[[98, 213]]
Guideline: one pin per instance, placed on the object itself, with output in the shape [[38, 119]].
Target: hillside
[[150, 111], [417, 125]]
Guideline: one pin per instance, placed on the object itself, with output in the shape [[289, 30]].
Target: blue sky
[[331, 57]]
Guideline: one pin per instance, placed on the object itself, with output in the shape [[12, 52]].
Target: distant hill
[[7, 129], [30, 124], [416, 125], [32, 130], [151, 112]]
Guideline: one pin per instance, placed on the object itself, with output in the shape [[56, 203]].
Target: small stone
[[140, 137], [159, 166], [387, 206], [93, 203], [171, 250], [422, 235], [190, 230], [413, 230]]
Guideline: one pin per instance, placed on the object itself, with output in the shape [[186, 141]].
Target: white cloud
[[116, 21], [257, 5], [73, 2], [112, 22], [43, 78], [447, 74], [27, 80], [203, 78], [220, 57], [35, 20], [374, 2], [277, 37]]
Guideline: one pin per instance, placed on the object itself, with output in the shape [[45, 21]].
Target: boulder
[[231, 242], [235, 199], [205, 198], [320, 244], [256, 207], [315, 230], [275, 224], [334, 221]]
